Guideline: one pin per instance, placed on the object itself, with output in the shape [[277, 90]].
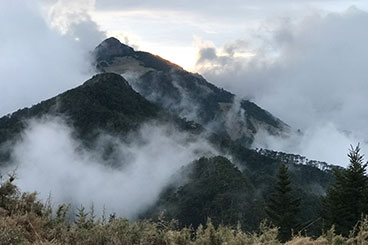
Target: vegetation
[[282, 207], [24, 220]]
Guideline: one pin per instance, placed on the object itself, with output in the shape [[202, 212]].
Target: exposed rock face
[[186, 94]]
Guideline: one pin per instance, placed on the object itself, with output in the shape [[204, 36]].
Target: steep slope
[[186, 94]]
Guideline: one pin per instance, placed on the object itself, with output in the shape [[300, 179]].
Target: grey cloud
[[207, 54]]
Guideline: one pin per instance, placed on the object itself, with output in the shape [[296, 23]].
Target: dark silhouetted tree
[[282, 207], [346, 201]]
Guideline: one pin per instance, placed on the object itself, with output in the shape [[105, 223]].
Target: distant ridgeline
[[155, 90]]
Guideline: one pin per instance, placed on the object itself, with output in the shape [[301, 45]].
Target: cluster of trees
[[343, 207]]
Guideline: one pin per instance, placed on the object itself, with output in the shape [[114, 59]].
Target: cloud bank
[[311, 73], [50, 161]]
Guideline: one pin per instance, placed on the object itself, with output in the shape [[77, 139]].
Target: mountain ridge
[[186, 94]]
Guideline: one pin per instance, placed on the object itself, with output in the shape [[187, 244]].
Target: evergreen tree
[[282, 207], [346, 200]]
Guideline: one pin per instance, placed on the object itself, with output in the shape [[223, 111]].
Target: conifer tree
[[282, 207], [346, 201]]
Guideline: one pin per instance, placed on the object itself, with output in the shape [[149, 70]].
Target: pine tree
[[282, 207], [346, 201]]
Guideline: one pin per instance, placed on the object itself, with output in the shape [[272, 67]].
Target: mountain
[[186, 94], [225, 190]]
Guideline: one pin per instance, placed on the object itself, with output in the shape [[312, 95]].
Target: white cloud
[[50, 160]]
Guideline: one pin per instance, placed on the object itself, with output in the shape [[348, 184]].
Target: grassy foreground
[[25, 220]]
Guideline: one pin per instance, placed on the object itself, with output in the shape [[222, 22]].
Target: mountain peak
[[112, 40], [112, 47]]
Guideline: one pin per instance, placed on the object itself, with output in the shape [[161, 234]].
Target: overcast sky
[[174, 29], [304, 61]]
